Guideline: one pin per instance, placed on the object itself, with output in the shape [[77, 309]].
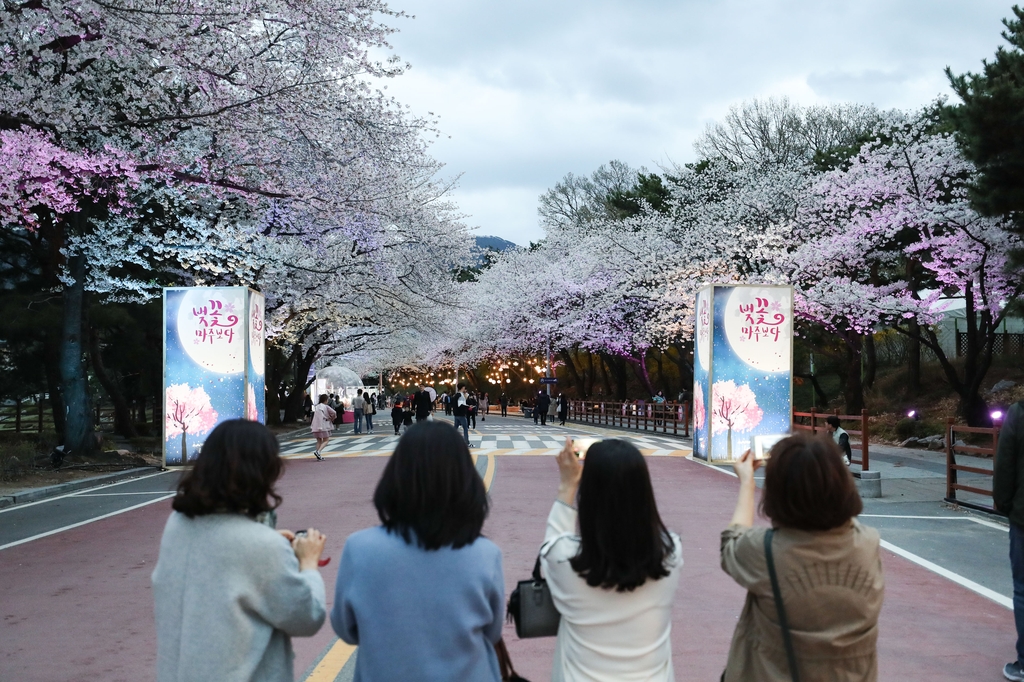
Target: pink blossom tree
[[733, 408], [887, 238], [251, 411], [187, 411]]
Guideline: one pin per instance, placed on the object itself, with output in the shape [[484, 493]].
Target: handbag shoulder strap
[[536, 570], [777, 594]]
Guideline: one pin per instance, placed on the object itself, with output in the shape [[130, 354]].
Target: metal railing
[[671, 418], [984, 452], [814, 421]]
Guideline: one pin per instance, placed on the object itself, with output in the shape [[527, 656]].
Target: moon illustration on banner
[[212, 340], [764, 353]]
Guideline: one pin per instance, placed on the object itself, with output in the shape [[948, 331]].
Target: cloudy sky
[[528, 91]]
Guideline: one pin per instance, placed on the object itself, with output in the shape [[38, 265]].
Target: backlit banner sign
[[743, 369], [214, 357]]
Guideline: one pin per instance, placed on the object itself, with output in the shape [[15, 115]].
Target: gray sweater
[[418, 615], [229, 596]]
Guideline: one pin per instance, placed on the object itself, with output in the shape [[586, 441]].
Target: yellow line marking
[[489, 472], [332, 663]]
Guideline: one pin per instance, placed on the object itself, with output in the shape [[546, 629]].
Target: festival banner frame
[[742, 369], [214, 364]]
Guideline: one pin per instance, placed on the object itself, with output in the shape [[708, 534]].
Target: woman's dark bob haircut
[[430, 492], [622, 539], [235, 472], [807, 486]]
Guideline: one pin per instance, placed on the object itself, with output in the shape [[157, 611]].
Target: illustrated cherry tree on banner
[[733, 408], [189, 412]]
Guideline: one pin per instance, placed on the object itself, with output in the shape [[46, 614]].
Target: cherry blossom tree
[[891, 236], [187, 411], [206, 119], [699, 410], [733, 408], [252, 412]]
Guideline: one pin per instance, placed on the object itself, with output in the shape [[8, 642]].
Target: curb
[[35, 494]]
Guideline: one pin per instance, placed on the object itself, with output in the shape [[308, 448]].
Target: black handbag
[[530, 607]]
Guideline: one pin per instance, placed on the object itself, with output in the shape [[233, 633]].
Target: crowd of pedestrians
[[423, 594]]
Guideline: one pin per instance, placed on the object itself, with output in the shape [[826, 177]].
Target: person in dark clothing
[[563, 408], [407, 415], [1008, 495], [460, 412], [841, 437], [472, 402], [504, 404], [422, 404], [543, 403], [397, 417]]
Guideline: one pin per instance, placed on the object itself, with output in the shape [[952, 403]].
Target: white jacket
[[605, 635]]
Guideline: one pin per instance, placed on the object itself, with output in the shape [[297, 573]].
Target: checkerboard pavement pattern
[[510, 436]]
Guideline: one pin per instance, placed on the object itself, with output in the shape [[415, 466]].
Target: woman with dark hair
[[827, 567], [230, 591], [614, 580], [423, 593], [322, 424]]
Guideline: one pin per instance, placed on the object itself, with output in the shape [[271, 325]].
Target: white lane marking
[[155, 492], [79, 492], [984, 522], [83, 523], [950, 575], [920, 561], [990, 524]]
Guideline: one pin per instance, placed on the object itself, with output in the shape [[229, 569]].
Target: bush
[[908, 428]]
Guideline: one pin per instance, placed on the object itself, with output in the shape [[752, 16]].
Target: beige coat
[[831, 584]]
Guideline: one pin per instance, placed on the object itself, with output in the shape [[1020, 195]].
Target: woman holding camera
[[229, 590], [613, 581], [827, 567], [423, 594]]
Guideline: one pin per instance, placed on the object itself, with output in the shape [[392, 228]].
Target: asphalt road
[[76, 604]]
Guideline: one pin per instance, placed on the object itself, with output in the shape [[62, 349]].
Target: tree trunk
[[666, 385], [912, 388], [853, 391], [574, 375], [684, 363], [52, 370], [617, 367], [277, 364], [640, 368], [123, 424], [608, 393], [870, 360], [79, 434], [293, 408]]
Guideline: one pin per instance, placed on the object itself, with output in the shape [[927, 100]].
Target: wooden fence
[[33, 415], [639, 416], [985, 452], [814, 421]]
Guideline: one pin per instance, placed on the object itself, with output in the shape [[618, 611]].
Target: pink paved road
[[77, 605]]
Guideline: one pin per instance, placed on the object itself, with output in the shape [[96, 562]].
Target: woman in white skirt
[[614, 579], [322, 424]]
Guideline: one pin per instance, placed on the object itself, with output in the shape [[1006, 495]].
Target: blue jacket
[[419, 615]]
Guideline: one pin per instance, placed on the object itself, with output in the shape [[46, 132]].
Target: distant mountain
[[485, 244], [494, 244]]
